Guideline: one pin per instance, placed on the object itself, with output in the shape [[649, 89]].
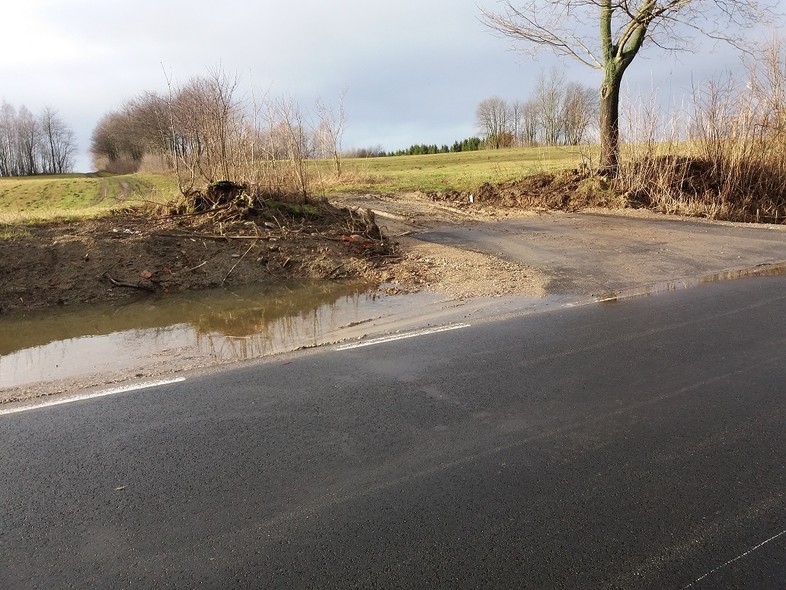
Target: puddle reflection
[[216, 325]]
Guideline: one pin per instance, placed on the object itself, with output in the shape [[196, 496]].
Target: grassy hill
[[70, 196], [453, 171], [80, 196]]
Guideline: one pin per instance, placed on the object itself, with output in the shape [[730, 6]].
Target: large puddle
[[162, 334], [208, 326]]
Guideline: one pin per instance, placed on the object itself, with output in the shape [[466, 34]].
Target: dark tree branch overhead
[[622, 28]]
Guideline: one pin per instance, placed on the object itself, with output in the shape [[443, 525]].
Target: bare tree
[[492, 119], [579, 109], [515, 113], [8, 164], [117, 144], [768, 80], [529, 123], [548, 100], [58, 145], [330, 131], [207, 117], [222, 109], [289, 121], [625, 26], [28, 136]]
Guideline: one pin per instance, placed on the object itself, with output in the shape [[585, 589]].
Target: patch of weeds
[[10, 232], [296, 209]]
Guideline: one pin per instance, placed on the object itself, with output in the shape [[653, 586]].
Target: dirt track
[[477, 251]]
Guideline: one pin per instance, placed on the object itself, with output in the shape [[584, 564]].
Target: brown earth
[[230, 240], [125, 255]]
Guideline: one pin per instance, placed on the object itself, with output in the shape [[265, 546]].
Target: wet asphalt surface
[[637, 444], [594, 254]]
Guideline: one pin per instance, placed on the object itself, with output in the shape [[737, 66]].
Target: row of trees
[[558, 113], [607, 35], [207, 130], [31, 144], [469, 144]]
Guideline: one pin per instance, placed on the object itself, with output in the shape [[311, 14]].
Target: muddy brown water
[[208, 326], [159, 334]]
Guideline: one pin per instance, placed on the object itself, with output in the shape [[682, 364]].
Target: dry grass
[[724, 159], [463, 171]]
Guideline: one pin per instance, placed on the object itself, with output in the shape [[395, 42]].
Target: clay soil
[[128, 255], [116, 257]]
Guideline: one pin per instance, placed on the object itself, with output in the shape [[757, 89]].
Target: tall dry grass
[[723, 156]]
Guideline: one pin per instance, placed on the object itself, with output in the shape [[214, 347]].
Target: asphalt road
[[596, 254], [637, 444]]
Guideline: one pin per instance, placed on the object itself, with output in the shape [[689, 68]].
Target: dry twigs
[[234, 266], [117, 283]]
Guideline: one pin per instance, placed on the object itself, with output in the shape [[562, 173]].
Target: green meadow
[[463, 171], [82, 196], [78, 196]]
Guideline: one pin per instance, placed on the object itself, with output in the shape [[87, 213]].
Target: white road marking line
[[103, 393], [394, 337], [748, 552]]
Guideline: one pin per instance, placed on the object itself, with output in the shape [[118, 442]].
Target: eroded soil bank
[[122, 256], [115, 257]]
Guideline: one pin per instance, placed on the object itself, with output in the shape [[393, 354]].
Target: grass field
[[79, 196], [464, 171]]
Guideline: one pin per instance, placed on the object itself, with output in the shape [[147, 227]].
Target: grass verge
[[41, 199]]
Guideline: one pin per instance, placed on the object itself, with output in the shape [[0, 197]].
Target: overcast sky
[[413, 70]]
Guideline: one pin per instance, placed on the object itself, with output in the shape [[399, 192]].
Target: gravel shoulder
[[476, 250]]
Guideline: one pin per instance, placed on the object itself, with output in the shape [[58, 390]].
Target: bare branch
[[515, 24], [623, 28]]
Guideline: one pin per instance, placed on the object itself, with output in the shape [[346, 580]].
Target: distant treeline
[[471, 144], [34, 144], [557, 113]]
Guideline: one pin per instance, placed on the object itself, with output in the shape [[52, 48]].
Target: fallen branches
[[211, 236], [117, 283], [236, 263]]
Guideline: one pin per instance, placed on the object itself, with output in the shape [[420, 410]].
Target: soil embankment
[[115, 257], [545, 252]]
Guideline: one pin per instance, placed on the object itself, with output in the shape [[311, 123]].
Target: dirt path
[[453, 271], [478, 251]]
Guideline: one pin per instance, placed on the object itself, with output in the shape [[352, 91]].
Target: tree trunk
[[610, 123]]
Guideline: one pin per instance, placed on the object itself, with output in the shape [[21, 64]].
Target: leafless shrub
[[731, 163], [207, 130]]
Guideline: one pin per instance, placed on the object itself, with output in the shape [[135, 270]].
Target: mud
[[120, 257]]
